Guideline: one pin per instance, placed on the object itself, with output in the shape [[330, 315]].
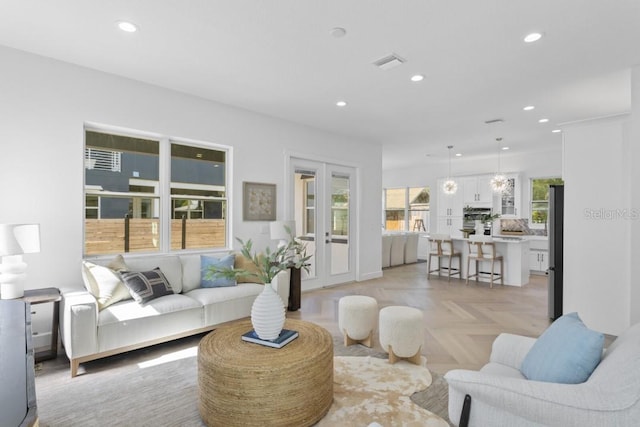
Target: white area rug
[[368, 389]]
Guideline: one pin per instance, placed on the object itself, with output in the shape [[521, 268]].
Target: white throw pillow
[[104, 284]]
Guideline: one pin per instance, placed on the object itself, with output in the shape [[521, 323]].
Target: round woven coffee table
[[247, 384]]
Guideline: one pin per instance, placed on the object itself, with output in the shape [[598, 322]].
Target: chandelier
[[449, 186], [500, 183]]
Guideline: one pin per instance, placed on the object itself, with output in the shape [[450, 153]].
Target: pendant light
[[450, 186], [500, 183]]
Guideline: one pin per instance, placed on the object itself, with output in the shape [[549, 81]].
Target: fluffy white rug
[[368, 389]]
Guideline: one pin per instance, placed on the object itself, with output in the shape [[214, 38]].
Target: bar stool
[[482, 248], [441, 246]]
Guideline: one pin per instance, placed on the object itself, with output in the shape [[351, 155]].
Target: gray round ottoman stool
[[402, 333], [357, 319]]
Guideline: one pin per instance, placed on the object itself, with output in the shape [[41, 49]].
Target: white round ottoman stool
[[357, 319], [402, 333]]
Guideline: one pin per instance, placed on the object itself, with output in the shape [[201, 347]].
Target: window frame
[[165, 214], [532, 223], [406, 210]]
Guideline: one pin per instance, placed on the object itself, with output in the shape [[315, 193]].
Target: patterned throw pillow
[[146, 285]]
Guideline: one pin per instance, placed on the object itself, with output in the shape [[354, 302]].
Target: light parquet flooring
[[461, 321]]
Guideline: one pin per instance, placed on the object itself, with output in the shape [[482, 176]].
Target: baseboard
[[369, 276]]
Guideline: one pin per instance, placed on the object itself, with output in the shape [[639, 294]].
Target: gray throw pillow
[[145, 286]]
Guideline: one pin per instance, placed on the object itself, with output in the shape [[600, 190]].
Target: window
[[406, 209], [130, 199], [394, 209], [339, 206], [540, 198], [198, 197], [309, 205]]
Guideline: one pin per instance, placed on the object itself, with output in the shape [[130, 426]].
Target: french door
[[323, 206]]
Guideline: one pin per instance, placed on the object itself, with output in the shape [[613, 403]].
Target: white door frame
[[325, 167]]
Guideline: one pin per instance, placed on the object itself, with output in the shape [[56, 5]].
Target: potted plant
[[299, 261], [267, 311], [489, 217]]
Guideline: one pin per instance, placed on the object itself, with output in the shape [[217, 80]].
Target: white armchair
[[502, 396]]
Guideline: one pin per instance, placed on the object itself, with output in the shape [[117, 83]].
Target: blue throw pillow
[[216, 281], [567, 352]]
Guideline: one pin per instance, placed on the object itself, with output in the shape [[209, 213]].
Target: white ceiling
[[278, 58]]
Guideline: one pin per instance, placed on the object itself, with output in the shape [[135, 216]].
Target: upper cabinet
[[510, 200], [477, 191]]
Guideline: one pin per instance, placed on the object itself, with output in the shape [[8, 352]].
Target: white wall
[[45, 103], [541, 164], [597, 221], [634, 179], [601, 267]]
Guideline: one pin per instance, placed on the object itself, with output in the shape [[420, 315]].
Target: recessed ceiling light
[[417, 78], [529, 108], [458, 154], [556, 130], [338, 32], [533, 37], [341, 103], [126, 26], [505, 148], [543, 120]]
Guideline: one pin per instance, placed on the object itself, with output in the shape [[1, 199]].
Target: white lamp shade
[[17, 239], [278, 230]]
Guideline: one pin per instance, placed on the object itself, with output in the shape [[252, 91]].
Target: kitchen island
[[514, 250]]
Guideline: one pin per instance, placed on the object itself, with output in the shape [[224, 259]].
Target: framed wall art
[[258, 201]]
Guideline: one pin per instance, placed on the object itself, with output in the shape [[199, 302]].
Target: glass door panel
[[304, 188], [339, 223]]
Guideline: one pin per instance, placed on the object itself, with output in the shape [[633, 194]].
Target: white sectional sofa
[[399, 248], [91, 329]]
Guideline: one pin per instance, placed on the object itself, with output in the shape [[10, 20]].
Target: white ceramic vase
[[267, 314]]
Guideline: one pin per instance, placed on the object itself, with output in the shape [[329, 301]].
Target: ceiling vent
[[389, 62], [490, 122]]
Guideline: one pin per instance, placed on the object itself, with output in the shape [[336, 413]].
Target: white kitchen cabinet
[[509, 202], [450, 210], [538, 260], [450, 204], [477, 191], [450, 226]]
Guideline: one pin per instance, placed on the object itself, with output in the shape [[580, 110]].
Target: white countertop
[[499, 239]]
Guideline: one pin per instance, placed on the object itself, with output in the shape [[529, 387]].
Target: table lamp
[[279, 231], [15, 240]]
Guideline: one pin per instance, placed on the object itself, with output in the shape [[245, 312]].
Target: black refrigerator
[[556, 231]]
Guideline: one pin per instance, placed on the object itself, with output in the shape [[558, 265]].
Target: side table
[[18, 405], [42, 296]]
